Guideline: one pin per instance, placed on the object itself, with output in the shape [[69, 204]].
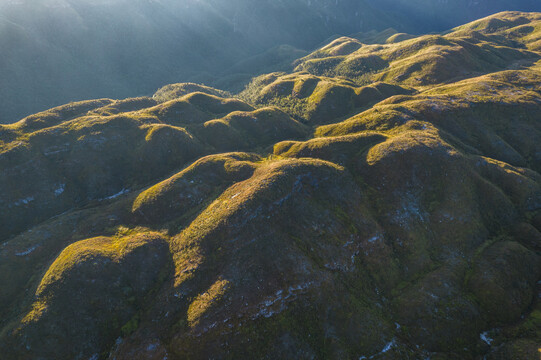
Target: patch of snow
[[484, 336], [26, 252], [276, 305], [24, 201], [354, 255], [410, 210], [339, 266], [60, 190], [234, 196], [120, 193], [388, 347]]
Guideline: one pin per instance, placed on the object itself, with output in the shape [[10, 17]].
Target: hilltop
[[378, 199]]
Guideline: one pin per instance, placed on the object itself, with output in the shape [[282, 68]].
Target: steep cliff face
[[335, 211]]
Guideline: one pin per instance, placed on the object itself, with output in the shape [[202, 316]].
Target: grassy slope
[[405, 227], [89, 151], [480, 47]]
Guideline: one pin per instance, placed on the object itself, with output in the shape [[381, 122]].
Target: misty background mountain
[[56, 51]]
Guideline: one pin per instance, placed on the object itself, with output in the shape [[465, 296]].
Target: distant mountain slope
[[309, 217], [347, 75], [56, 51], [495, 43]]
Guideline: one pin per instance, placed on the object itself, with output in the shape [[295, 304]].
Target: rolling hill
[[381, 199], [58, 51]]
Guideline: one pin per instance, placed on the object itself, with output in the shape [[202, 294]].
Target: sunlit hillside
[[57, 51], [375, 197]]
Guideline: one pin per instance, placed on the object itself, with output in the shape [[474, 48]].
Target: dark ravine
[[379, 200]]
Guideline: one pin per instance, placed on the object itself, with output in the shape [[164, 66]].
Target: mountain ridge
[[313, 215], [131, 48]]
